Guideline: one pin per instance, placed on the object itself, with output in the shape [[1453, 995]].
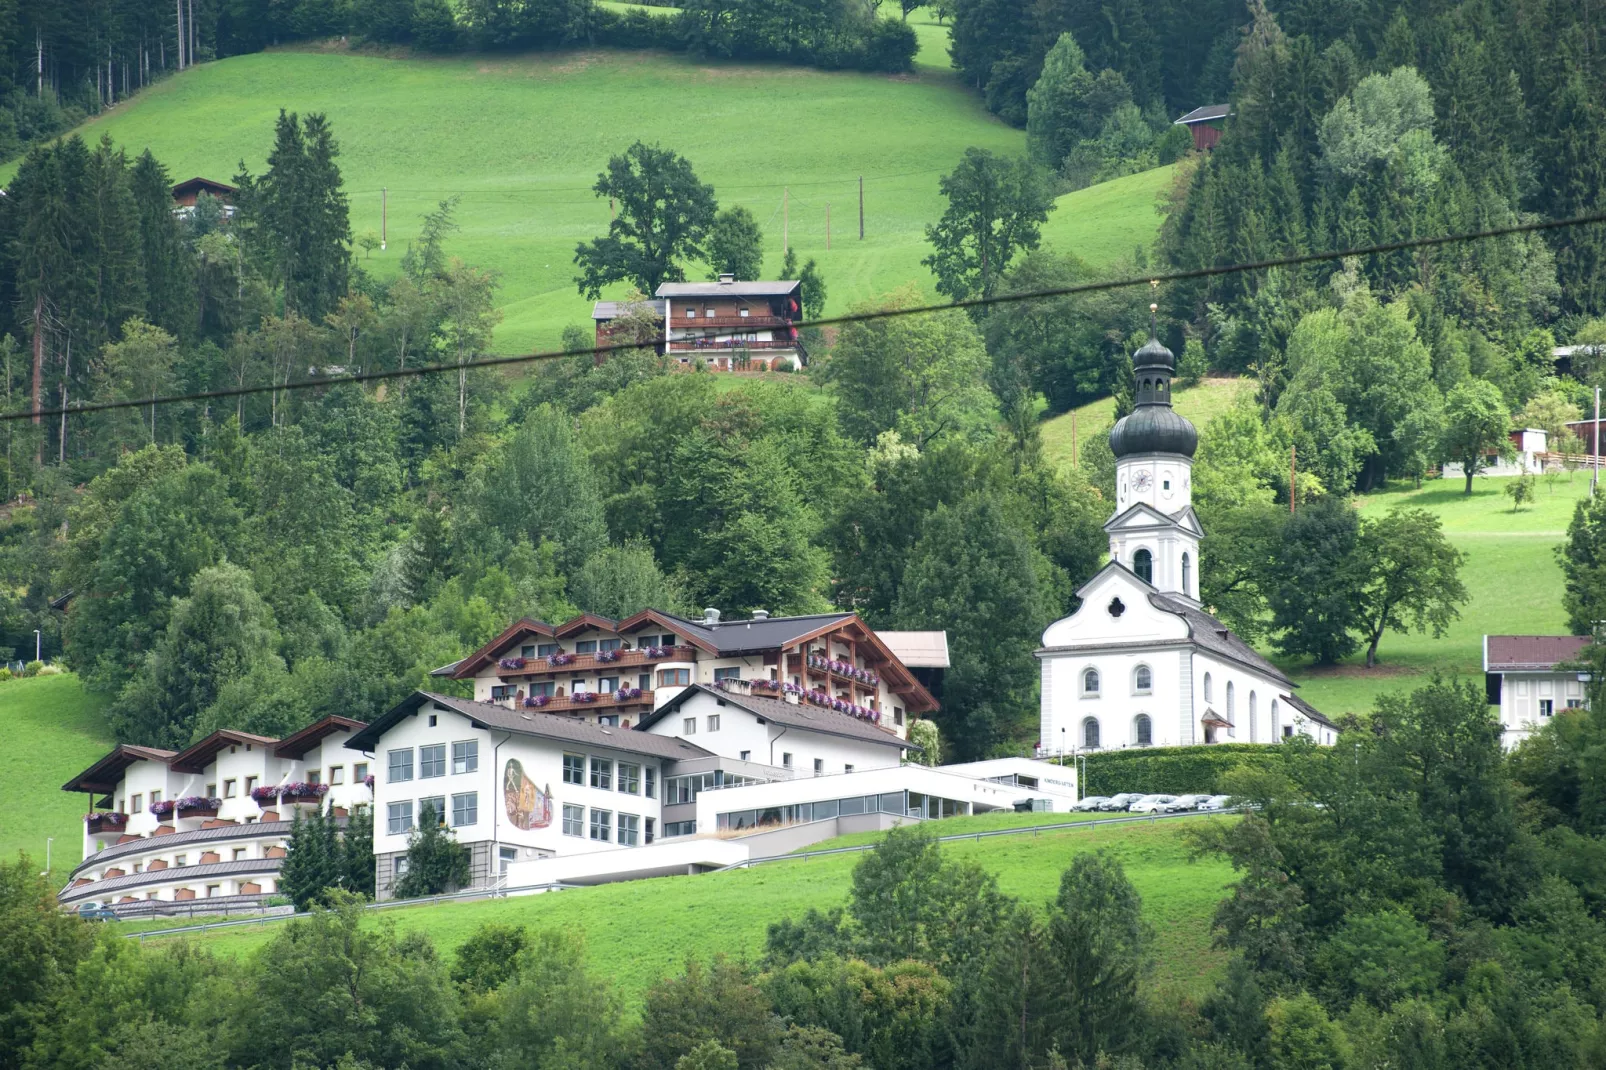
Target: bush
[[1173, 770], [33, 668], [6, 674]]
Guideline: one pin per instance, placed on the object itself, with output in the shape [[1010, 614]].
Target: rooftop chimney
[[726, 278], [710, 615], [761, 614]]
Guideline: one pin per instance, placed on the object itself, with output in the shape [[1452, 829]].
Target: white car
[[1216, 802], [1092, 802], [1121, 801], [1184, 802], [1151, 804]]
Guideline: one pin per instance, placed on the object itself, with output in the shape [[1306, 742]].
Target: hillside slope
[[53, 729], [520, 139]]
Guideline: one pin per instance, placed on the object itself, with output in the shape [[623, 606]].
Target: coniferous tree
[[309, 870], [164, 262], [436, 862]]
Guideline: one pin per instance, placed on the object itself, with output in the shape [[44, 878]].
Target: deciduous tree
[[1414, 576], [996, 208], [735, 244], [664, 216], [1476, 425]]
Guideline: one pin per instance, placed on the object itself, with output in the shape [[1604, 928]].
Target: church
[[1141, 663]]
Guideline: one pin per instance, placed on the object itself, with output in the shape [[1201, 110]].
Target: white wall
[[1521, 696], [769, 743]]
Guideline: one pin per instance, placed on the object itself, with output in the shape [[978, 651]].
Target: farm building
[[1205, 124], [1525, 676], [185, 194]]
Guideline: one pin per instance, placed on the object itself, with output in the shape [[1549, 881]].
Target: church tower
[[1154, 531]]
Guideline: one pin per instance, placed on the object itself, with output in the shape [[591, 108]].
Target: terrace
[[587, 700], [508, 668]]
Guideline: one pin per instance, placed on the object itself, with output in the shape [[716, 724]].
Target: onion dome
[[1153, 426]]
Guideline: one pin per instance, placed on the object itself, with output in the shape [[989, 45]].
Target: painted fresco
[[528, 807]]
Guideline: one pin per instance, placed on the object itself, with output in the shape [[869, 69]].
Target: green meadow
[[56, 729]]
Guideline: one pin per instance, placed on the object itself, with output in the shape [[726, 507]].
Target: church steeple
[[1153, 448]]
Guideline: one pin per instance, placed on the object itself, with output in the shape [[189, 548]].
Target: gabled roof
[[1311, 712], [583, 623], [728, 289], [1205, 114], [199, 184], [485, 654], [530, 723], [1209, 633], [612, 310], [793, 715], [104, 774], [1530, 653], [1139, 514], [918, 650], [1113, 565], [197, 756], [299, 743]]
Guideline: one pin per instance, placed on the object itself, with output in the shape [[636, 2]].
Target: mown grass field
[[53, 729], [1198, 403], [521, 138], [639, 931]]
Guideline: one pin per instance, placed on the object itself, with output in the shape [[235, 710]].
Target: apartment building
[[1532, 678], [210, 821]]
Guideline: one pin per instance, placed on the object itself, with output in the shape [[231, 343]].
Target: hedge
[[1172, 770]]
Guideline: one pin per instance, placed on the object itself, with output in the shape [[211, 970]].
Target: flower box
[[163, 808], [657, 651], [535, 702], [303, 793], [607, 655], [766, 685], [265, 797], [368, 781], [585, 696], [198, 806], [560, 658], [106, 821], [511, 663], [625, 694]]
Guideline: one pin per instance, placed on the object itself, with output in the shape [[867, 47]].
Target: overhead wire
[[1152, 280]]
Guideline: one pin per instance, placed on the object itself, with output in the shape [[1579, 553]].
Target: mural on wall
[[528, 807]]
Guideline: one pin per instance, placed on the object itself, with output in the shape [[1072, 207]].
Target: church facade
[[1142, 663]]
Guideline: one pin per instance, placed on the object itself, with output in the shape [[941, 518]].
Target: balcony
[[105, 823], [843, 670], [689, 345], [589, 700], [730, 321], [509, 668]]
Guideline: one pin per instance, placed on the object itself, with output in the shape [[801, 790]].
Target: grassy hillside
[[1107, 222], [1198, 403], [1511, 575], [520, 139], [728, 912], [53, 729]]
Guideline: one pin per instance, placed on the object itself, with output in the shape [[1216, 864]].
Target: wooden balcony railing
[[730, 321], [508, 668], [687, 345], [603, 700]]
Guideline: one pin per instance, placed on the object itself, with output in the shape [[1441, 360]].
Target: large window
[[1142, 730], [586, 646], [1090, 733], [679, 828], [1090, 683], [1142, 680], [729, 672], [608, 644], [674, 677], [602, 774], [629, 778], [432, 761], [688, 726], [652, 783], [574, 769], [465, 809], [399, 817], [546, 649], [401, 765], [574, 820], [1143, 565], [1208, 690], [434, 804], [1187, 574], [629, 830], [602, 825], [466, 756]]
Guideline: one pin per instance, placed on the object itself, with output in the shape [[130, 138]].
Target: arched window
[[1232, 702], [1187, 575], [1143, 565], [1142, 730], [1207, 690], [1090, 734], [1273, 736], [1252, 713], [1090, 682], [1142, 680]]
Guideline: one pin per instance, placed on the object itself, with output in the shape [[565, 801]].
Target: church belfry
[[1154, 531]]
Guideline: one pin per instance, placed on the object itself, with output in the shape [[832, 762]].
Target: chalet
[[1529, 445], [733, 325], [186, 193], [1528, 677], [1206, 124]]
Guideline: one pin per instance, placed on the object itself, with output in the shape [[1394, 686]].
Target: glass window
[[398, 866], [359, 773], [1090, 734], [747, 755], [542, 687], [679, 828], [1142, 679], [608, 644], [713, 722], [1547, 706], [314, 776], [602, 774], [527, 651], [674, 677], [786, 759], [137, 806], [602, 825], [1143, 730], [399, 817], [465, 809], [608, 720], [629, 830], [1207, 689], [608, 684], [156, 796], [401, 764], [503, 691], [574, 820], [337, 774], [730, 672], [848, 768], [1090, 682], [574, 769], [652, 784], [629, 778], [1143, 565], [466, 756], [819, 767], [897, 715], [435, 805], [432, 761], [688, 726], [544, 649], [228, 788], [586, 646], [651, 828], [1187, 573]]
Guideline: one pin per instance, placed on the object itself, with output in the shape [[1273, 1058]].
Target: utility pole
[[861, 207], [384, 217], [1594, 470], [179, 34], [786, 219]]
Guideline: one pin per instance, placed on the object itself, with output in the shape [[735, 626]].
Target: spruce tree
[[165, 263], [308, 870], [436, 862]]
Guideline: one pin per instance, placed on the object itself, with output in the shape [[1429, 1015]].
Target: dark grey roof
[[727, 289], [533, 723], [798, 715], [1310, 711], [611, 310], [173, 874], [183, 839], [1205, 114], [1214, 636], [742, 636]]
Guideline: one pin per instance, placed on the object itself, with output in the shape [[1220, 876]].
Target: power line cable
[[836, 321]]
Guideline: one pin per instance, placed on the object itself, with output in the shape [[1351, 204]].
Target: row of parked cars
[[1133, 802]]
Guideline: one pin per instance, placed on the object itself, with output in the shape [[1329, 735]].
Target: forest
[[1409, 899]]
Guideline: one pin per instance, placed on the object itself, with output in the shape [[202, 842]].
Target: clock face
[[1141, 481]]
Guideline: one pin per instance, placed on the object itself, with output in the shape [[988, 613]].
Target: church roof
[[1184, 517], [1214, 636]]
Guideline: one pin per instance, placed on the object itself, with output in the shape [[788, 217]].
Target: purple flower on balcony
[[657, 651], [368, 781], [163, 808], [627, 693], [267, 795], [511, 663], [560, 658], [607, 655], [585, 696], [107, 817], [535, 702], [299, 790], [198, 802]]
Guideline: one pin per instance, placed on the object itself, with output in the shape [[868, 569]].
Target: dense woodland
[[1409, 899]]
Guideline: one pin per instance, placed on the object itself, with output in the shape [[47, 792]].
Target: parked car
[[1151, 804], [1092, 802], [1184, 802], [1216, 802], [95, 912], [1121, 801]]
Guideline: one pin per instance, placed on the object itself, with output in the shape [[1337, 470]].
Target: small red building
[[1205, 124], [186, 192]]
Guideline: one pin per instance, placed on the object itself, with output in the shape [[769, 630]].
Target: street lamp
[[36, 645], [48, 841]]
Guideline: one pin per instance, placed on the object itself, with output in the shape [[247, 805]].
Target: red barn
[[1205, 124]]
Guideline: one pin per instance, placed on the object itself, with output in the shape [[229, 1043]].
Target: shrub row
[[1172, 770]]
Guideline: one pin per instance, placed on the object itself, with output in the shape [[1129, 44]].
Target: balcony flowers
[[766, 685], [198, 806], [163, 808], [265, 796], [299, 792], [560, 658], [607, 655], [368, 782], [657, 651], [535, 702], [101, 820], [511, 663], [625, 694], [585, 696]]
